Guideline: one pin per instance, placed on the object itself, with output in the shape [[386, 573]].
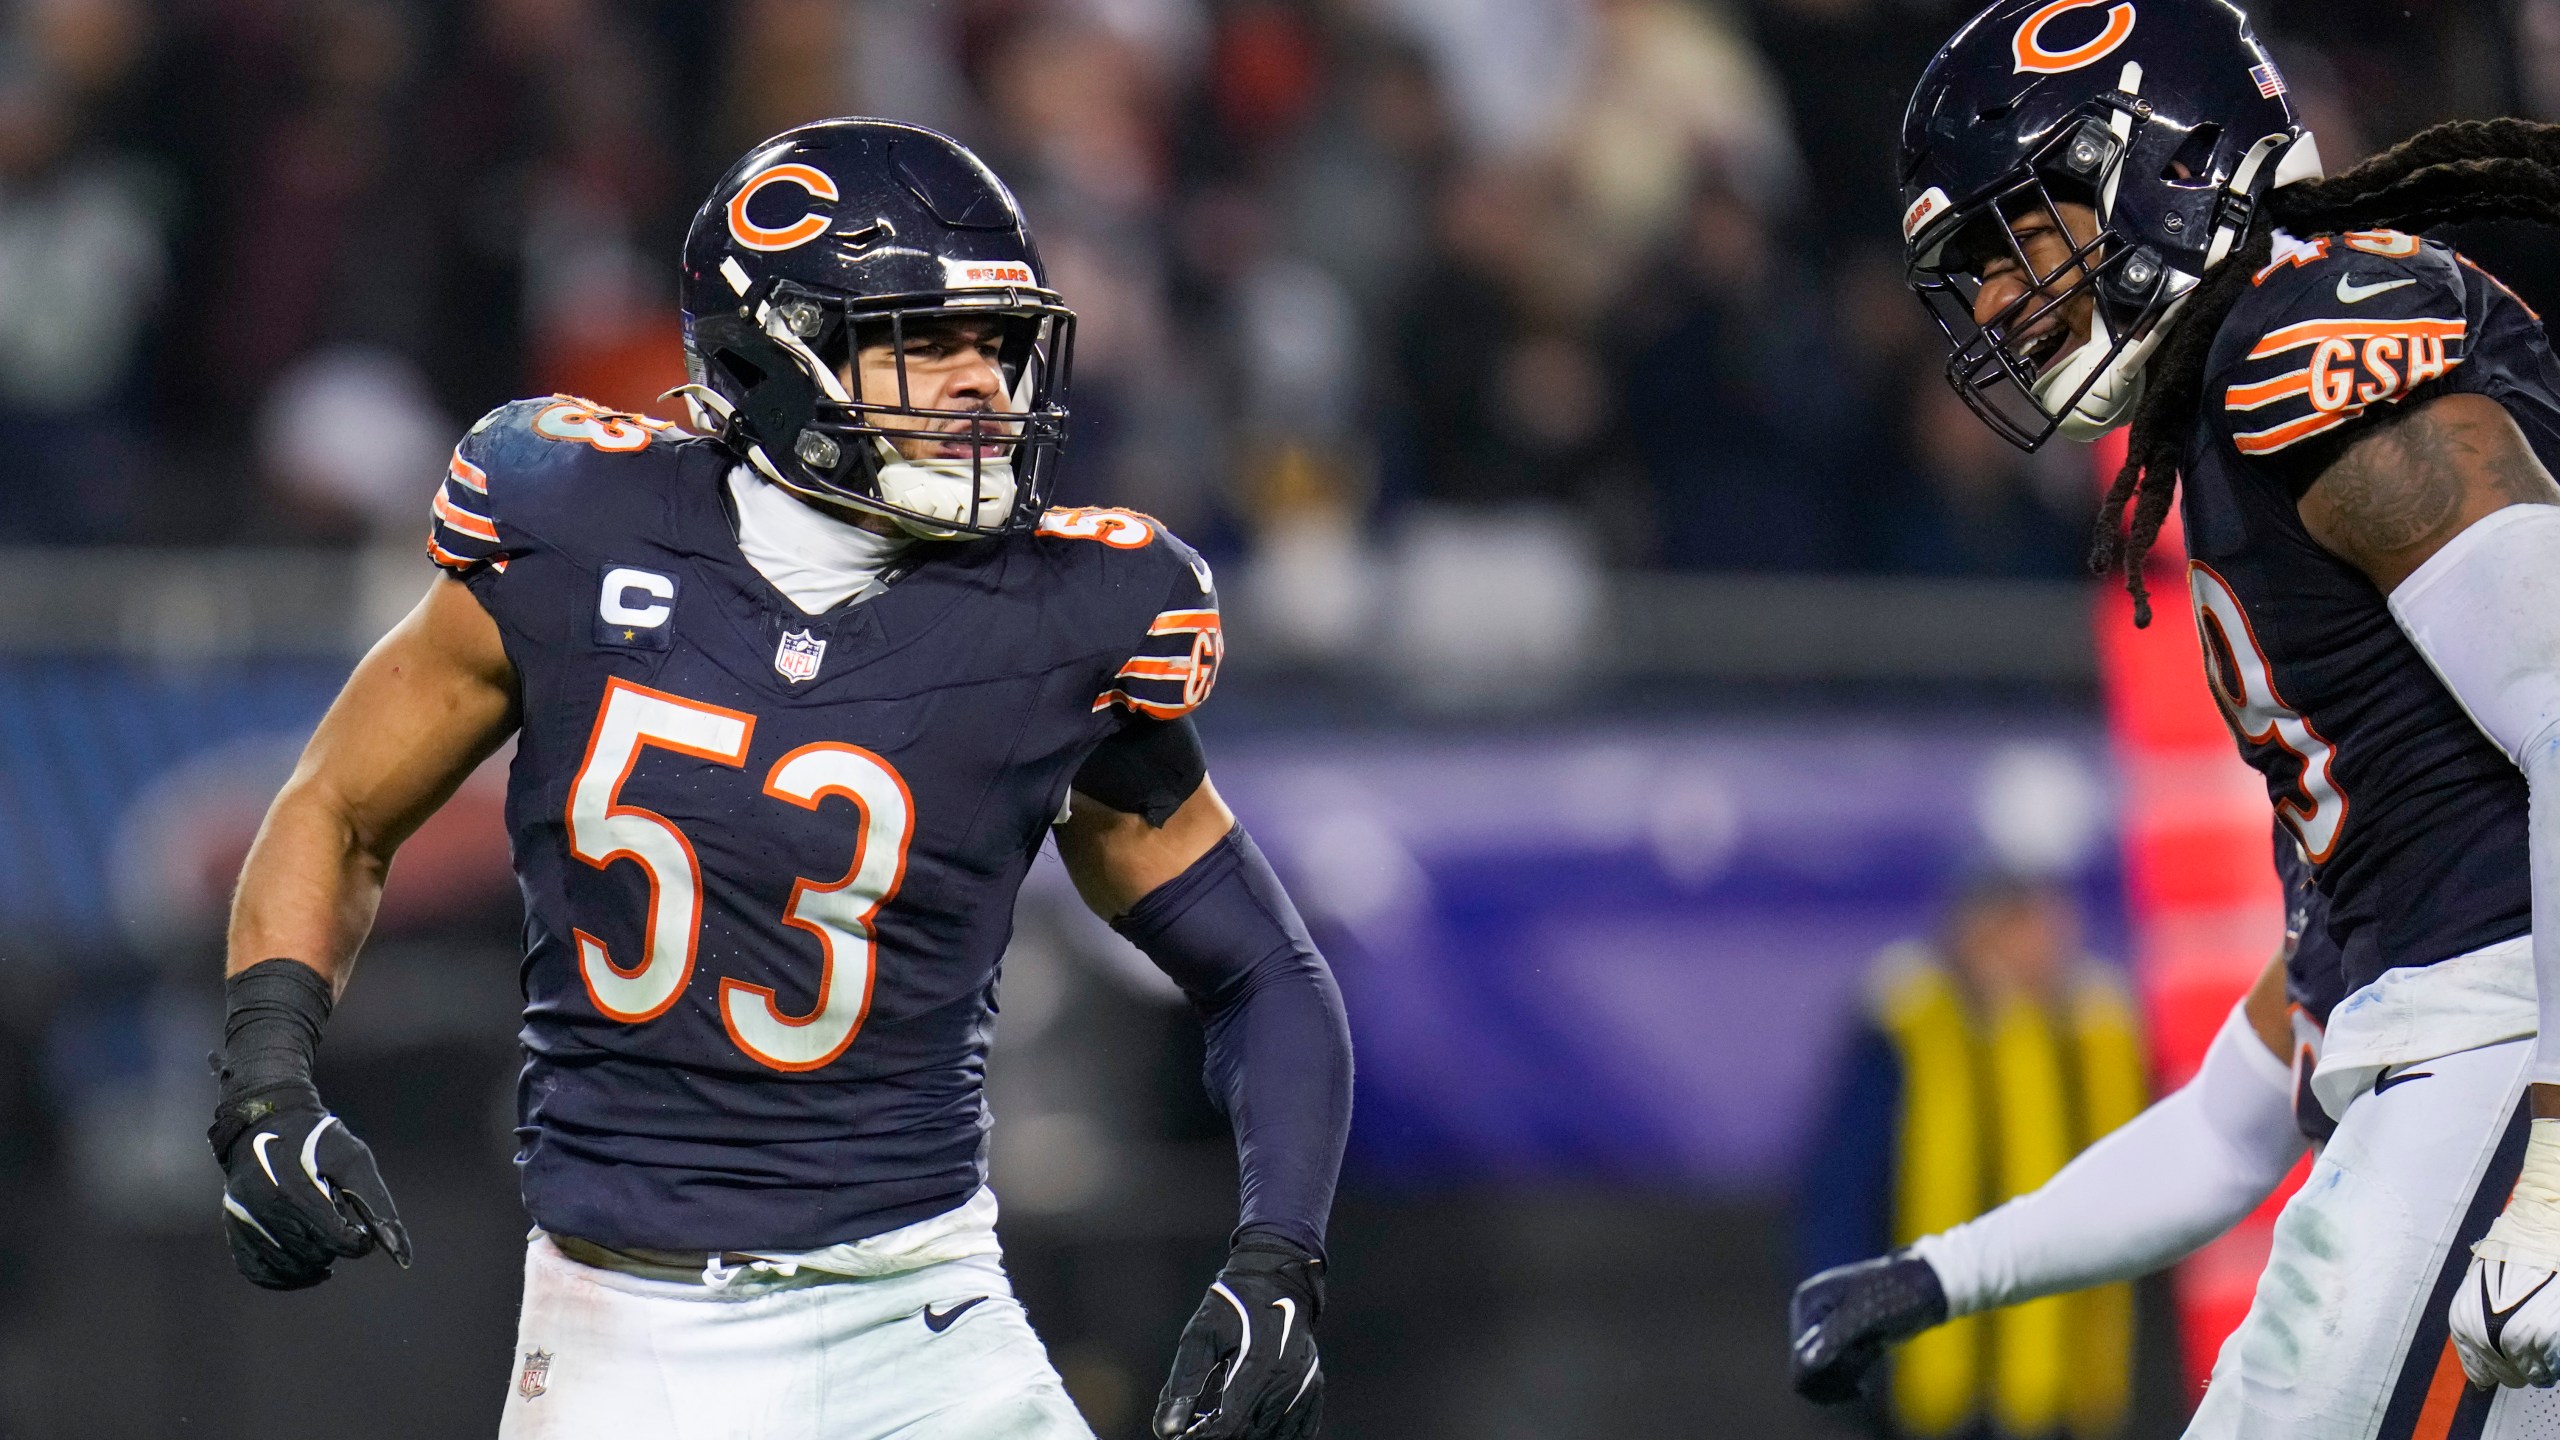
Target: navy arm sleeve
[[1279, 1044]]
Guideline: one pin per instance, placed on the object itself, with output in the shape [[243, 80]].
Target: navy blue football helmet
[[2164, 116], [850, 233]]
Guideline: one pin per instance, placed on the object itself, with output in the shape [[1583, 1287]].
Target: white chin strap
[[2118, 388], [959, 491]]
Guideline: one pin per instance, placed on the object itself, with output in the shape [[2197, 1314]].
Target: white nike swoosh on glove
[[311, 1157], [240, 1212], [1244, 1347]]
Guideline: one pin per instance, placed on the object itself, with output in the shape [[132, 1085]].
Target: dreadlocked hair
[[2457, 171]]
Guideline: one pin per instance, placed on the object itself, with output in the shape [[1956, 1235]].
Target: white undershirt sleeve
[[2159, 1187], [2485, 612]]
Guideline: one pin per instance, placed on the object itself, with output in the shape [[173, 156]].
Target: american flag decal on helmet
[[2270, 84], [1174, 670]]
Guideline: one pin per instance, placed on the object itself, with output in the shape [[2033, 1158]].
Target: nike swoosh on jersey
[[945, 1320], [2386, 1081], [2349, 292]]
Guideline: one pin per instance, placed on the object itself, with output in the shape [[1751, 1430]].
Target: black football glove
[[1246, 1368], [300, 1192], [1844, 1317]]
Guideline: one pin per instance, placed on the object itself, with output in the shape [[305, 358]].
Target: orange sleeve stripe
[[2274, 438], [1158, 667], [468, 473], [2293, 337], [2267, 392], [447, 558], [1148, 708], [451, 561], [1184, 622], [2269, 441], [478, 527]]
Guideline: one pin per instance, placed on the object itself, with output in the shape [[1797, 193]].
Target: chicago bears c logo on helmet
[[815, 181], [2029, 48]]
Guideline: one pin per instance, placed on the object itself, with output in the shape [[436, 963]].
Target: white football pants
[[2346, 1338], [943, 1352]]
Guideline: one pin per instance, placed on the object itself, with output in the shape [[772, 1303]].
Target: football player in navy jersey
[[2113, 212], [795, 703]]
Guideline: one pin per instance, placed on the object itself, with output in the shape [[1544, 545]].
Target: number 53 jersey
[[769, 859]]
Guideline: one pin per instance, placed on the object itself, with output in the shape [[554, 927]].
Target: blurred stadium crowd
[[1628, 259]]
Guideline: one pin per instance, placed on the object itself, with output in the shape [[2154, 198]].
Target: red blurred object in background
[[2202, 895], [625, 366], [1264, 72]]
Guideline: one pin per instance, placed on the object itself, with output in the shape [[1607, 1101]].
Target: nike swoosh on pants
[[945, 1320]]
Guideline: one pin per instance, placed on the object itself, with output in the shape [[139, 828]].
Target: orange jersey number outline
[[603, 829], [2317, 811], [614, 431], [1119, 529]]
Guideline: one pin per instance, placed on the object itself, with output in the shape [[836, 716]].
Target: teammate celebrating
[[794, 707], [2116, 217]]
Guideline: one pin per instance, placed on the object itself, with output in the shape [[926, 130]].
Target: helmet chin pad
[[960, 491], [2100, 395], [2100, 383]]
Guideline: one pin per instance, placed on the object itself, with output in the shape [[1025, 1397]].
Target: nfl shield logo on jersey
[[799, 656], [537, 1374]]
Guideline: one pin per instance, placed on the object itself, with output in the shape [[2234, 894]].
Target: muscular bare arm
[[2414, 481], [1116, 858], [423, 709]]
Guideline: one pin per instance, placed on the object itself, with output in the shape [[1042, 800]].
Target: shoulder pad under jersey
[[1161, 595], [2328, 330], [521, 463]]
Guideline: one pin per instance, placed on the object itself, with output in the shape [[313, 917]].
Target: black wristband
[[272, 1015], [1261, 1251], [1272, 1237]]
